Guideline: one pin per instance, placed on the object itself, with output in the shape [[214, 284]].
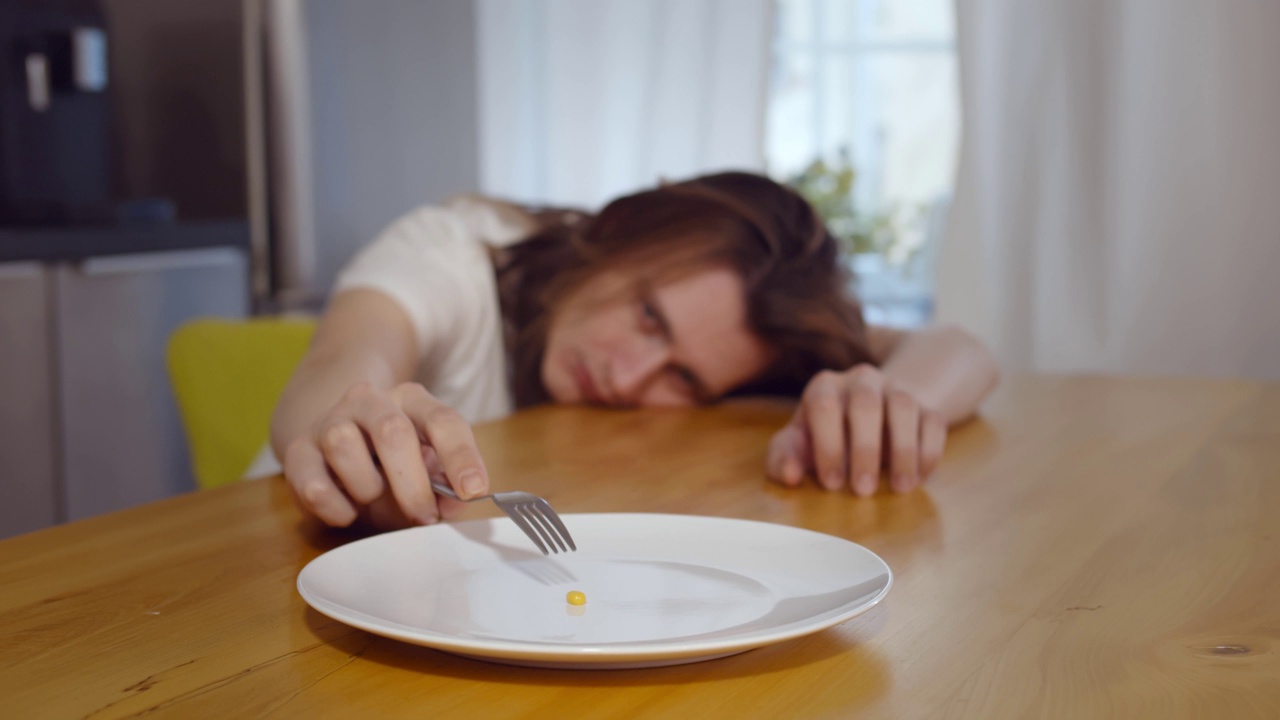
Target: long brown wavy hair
[[796, 289]]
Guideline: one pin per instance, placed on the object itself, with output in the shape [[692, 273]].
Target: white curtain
[[1118, 198], [582, 100]]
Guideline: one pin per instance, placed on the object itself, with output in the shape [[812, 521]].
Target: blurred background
[[1090, 186]]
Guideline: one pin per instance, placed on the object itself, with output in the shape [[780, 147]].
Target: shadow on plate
[[532, 563]]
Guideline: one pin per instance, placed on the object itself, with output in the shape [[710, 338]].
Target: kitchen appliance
[[54, 112]]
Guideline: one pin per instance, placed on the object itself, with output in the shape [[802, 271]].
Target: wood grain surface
[[1090, 547]]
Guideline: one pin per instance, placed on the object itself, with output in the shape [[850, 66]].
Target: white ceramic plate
[[661, 589]]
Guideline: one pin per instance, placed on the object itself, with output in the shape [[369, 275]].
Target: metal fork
[[531, 513]]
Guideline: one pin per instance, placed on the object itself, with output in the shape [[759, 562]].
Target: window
[[871, 86]]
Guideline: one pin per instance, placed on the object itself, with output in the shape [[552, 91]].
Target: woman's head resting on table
[[724, 284], [685, 293]]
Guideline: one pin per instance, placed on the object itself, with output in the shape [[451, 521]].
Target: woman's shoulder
[[436, 262], [460, 222], [496, 222]]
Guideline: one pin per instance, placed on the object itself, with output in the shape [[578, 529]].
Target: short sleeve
[[427, 262]]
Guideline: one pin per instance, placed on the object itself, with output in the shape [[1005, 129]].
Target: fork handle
[[447, 491]]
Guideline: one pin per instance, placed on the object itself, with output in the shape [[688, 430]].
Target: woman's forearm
[[363, 337], [945, 368]]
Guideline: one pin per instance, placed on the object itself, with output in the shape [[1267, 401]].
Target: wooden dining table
[[1089, 547]]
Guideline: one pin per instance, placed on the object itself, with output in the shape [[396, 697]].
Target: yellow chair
[[227, 376]]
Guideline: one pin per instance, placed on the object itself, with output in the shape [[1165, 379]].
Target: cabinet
[[122, 440], [95, 427], [28, 493]]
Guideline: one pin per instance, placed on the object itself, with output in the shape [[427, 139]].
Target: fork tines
[[540, 522]]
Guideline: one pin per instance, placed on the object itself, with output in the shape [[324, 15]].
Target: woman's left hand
[[850, 425]]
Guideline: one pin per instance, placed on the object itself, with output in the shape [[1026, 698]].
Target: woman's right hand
[[374, 453]]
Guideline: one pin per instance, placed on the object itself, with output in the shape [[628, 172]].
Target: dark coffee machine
[[54, 112]]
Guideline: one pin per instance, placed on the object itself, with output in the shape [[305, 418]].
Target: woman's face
[[620, 341]]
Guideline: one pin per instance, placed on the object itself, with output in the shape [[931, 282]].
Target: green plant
[[828, 186]]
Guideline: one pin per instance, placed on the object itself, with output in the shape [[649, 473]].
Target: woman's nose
[[634, 368]]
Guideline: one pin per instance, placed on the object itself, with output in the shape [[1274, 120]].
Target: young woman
[[684, 294]]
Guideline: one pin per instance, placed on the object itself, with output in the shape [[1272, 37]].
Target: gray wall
[[394, 114]]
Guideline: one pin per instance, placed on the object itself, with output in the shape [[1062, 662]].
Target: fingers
[[346, 451], [385, 514], [933, 440], [786, 461], [866, 431], [394, 439], [450, 508], [823, 406], [849, 427], [903, 423], [373, 441], [451, 437], [313, 488]]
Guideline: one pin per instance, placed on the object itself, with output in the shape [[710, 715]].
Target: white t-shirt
[[435, 263]]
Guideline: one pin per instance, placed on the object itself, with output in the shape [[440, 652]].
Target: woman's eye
[[649, 312], [687, 378]]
